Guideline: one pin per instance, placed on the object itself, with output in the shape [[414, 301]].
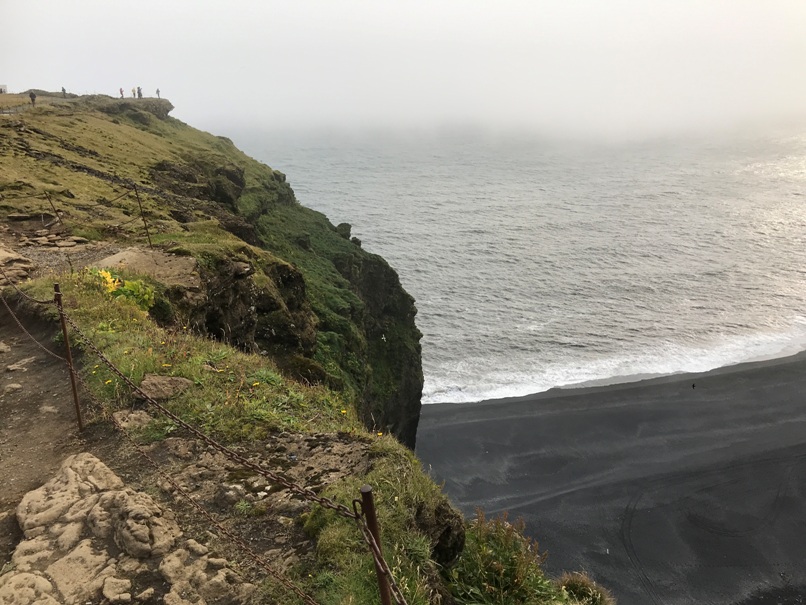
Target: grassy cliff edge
[[283, 325]]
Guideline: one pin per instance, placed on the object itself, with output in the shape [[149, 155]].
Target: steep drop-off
[[274, 277]]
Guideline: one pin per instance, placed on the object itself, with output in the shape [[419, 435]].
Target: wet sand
[[676, 490]]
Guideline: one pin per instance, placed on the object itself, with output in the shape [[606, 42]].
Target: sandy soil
[[687, 489]]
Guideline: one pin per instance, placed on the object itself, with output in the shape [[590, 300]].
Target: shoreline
[[663, 491], [618, 383], [626, 379]]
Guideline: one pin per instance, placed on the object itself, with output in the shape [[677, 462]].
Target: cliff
[[288, 284], [281, 351]]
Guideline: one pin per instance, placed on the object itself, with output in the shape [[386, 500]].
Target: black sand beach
[[677, 490]]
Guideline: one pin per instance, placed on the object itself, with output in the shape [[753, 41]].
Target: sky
[[614, 67]]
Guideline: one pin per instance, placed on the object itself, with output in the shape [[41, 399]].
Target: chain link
[[286, 483], [377, 555], [223, 530], [99, 407], [19, 323], [23, 294], [120, 196], [305, 492]]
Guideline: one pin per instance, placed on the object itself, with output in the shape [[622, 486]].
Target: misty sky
[[597, 66]]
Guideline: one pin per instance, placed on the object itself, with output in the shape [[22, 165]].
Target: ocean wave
[[473, 380]]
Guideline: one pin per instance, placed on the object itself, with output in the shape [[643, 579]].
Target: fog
[[581, 68]]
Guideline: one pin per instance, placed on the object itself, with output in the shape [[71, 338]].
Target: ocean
[[539, 264]]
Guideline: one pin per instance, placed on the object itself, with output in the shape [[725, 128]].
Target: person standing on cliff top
[[32, 96], [134, 93], [121, 92], [139, 93], [64, 93], [158, 93]]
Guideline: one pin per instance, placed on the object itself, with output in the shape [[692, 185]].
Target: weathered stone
[[79, 476], [169, 269], [76, 526], [69, 536], [32, 553], [20, 365], [11, 387], [196, 548], [162, 387], [18, 216], [240, 269], [117, 590], [229, 494], [132, 420], [4, 348], [14, 265], [146, 595], [135, 523], [445, 527], [78, 575], [198, 576], [65, 243], [26, 589]]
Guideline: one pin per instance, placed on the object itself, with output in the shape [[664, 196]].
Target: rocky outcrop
[[87, 536], [162, 387], [138, 110], [258, 305], [271, 314], [391, 397], [15, 267]]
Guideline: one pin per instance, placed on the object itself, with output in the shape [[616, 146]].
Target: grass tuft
[[583, 590]]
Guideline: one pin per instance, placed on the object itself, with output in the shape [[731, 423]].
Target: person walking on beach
[[32, 96]]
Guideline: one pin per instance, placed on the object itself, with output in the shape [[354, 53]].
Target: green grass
[[236, 396], [81, 151], [400, 488]]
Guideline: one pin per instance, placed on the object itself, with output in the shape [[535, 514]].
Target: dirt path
[[37, 421]]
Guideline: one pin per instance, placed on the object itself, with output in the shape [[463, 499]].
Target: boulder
[[15, 266], [86, 536], [162, 387]]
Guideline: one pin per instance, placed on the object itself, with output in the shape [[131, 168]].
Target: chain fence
[[131, 190], [362, 512]]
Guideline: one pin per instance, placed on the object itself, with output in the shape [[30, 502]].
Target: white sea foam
[[480, 383], [536, 266]]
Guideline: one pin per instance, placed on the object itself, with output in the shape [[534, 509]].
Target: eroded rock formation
[[87, 536]]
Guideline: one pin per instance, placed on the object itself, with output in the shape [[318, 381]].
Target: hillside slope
[[244, 368], [324, 308]]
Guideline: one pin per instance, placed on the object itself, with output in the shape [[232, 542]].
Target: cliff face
[[391, 397], [275, 277]]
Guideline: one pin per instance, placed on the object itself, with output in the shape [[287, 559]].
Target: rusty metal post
[[56, 212], [368, 506], [143, 216], [57, 297]]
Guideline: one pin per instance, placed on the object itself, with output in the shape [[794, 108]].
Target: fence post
[[56, 212], [368, 506], [57, 297], [143, 216]]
